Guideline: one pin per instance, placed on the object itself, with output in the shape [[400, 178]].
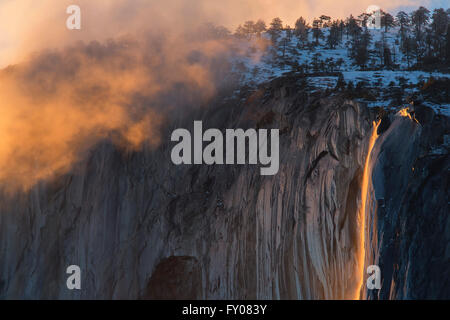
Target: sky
[[28, 25]]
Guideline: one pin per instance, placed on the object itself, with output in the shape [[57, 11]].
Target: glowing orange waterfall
[[361, 255]]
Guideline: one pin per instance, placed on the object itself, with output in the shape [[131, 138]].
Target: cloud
[[68, 90], [57, 104]]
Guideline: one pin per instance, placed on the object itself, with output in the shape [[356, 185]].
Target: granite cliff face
[[410, 206], [140, 227]]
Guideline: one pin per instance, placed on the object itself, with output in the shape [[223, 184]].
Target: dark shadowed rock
[[175, 278]]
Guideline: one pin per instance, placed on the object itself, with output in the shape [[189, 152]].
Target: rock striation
[[141, 227]]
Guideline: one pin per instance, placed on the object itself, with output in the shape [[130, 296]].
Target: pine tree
[[364, 17], [353, 29], [439, 26], [379, 51], [240, 32], [340, 82], [315, 62], [333, 35], [288, 32], [324, 21], [419, 20], [341, 30], [249, 28], [408, 48], [260, 27], [403, 21], [317, 33], [387, 21], [301, 30], [359, 48], [387, 56], [276, 26]]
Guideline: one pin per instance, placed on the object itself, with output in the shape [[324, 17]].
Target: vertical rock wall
[[122, 217], [410, 205]]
